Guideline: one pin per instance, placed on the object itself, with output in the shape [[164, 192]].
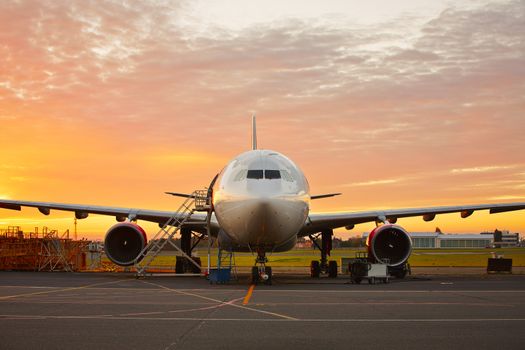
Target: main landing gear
[[183, 265], [261, 272], [399, 271], [323, 266]]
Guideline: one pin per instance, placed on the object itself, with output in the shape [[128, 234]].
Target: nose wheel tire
[[268, 272], [265, 277]]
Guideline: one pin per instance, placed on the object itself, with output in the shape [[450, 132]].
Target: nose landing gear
[[323, 266], [261, 272]]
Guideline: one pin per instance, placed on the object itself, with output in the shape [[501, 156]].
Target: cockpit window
[[241, 175], [286, 175], [272, 174], [255, 174]]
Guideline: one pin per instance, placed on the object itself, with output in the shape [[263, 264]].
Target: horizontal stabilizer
[[185, 195], [319, 196]]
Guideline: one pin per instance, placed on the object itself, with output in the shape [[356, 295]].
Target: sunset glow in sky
[[394, 103]]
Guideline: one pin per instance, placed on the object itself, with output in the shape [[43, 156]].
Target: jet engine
[[124, 242], [389, 244]]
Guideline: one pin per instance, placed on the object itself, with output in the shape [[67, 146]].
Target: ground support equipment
[[225, 267], [360, 269]]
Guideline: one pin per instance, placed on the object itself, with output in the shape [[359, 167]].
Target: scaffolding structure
[[95, 255], [46, 250]]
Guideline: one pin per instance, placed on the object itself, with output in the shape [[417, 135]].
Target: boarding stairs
[[199, 200]]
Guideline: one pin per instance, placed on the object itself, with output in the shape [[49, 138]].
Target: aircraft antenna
[[254, 132]]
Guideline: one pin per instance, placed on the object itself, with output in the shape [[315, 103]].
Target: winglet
[[254, 133]]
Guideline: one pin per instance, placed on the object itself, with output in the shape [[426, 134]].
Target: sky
[[394, 104]]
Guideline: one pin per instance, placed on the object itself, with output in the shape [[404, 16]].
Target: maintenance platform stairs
[[226, 268], [199, 200]]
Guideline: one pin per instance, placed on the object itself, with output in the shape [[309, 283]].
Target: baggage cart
[[374, 273]]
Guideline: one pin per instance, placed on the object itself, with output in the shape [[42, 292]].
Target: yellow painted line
[[248, 295], [57, 290]]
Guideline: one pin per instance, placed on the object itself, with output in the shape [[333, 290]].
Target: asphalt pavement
[[118, 311]]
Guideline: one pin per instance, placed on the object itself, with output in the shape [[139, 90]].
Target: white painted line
[[368, 291], [318, 320], [56, 290], [30, 287], [230, 303], [308, 291]]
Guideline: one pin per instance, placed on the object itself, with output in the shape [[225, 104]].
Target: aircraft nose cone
[[262, 220]]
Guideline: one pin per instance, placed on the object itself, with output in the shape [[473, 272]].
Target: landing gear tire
[[255, 275], [268, 272], [194, 268], [315, 269], [332, 269], [183, 265], [399, 272], [179, 265]]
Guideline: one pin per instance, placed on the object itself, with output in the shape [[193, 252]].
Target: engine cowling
[[124, 242], [389, 244]]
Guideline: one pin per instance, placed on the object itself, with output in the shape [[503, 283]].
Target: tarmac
[[118, 311]]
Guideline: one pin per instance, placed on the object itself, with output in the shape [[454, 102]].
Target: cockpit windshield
[[255, 174], [272, 174], [258, 174]]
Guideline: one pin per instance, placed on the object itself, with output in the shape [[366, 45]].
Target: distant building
[[504, 239], [425, 239], [465, 241], [447, 241], [303, 243]]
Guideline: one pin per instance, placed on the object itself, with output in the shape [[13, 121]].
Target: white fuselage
[[261, 201]]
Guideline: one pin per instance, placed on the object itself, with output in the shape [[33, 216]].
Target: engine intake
[[124, 242], [389, 244]]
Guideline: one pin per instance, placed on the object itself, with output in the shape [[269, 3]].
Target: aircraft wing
[[82, 211], [323, 221]]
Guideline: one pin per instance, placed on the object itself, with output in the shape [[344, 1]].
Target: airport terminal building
[[450, 241], [439, 240]]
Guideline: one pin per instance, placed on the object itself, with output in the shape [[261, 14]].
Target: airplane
[[261, 203]]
